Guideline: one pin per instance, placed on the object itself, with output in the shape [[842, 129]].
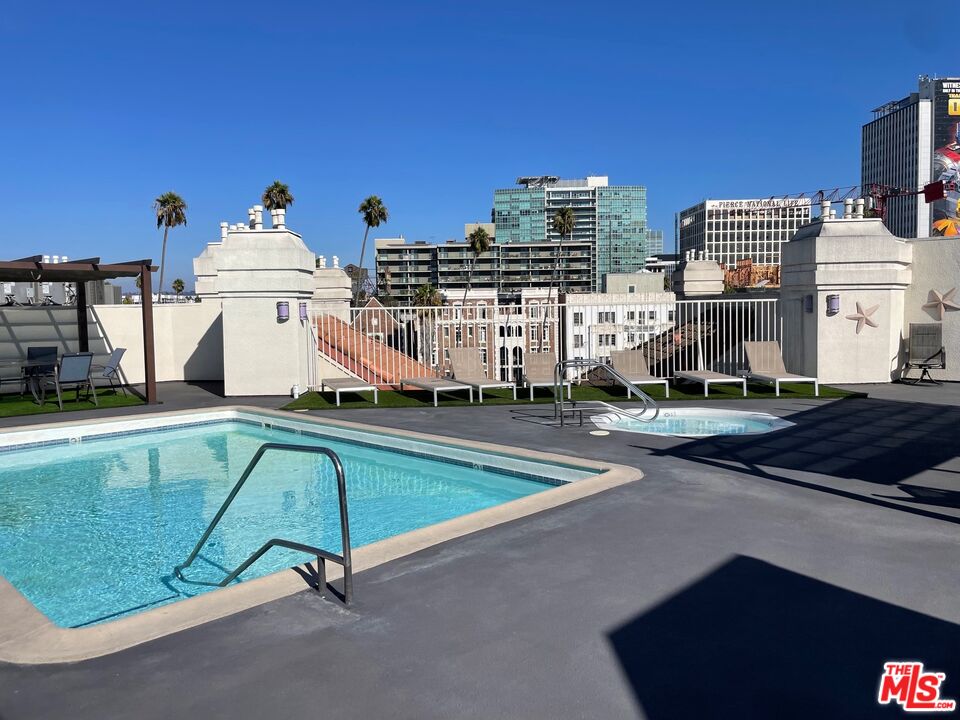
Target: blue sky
[[429, 105]]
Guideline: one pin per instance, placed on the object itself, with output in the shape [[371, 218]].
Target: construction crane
[[876, 194]]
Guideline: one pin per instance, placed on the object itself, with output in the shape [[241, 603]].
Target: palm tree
[[178, 287], [479, 241], [374, 213], [277, 196], [171, 211], [563, 223], [426, 297]]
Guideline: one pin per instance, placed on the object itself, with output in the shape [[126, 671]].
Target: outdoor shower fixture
[[283, 311], [833, 305]]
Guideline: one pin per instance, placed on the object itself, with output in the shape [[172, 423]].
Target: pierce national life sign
[[758, 204]]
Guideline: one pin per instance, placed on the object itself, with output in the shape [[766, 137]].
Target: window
[[631, 288], [470, 331], [446, 332], [631, 315], [607, 317], [651, 315], [631, 337], [578, 341], [578, 318]]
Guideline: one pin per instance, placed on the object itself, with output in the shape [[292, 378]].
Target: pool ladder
[[321, 555], [560, 406]]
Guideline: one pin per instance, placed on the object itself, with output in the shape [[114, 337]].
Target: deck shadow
[[753, 640], [877, 441]]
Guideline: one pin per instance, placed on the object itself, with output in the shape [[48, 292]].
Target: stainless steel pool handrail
[[321, 555], [558, 402]]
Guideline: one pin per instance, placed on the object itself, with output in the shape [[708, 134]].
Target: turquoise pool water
[[91, 531]]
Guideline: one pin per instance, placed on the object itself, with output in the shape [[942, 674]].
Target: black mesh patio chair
[[74, 370], [925, 351]]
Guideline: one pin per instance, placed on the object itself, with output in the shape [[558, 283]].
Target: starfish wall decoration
[[863, 317], [941, 302]]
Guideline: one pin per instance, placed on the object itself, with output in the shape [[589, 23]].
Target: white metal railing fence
[[385, 345], [674, 335], [313, 357]]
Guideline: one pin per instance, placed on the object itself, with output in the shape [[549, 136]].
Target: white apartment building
[[726, 231], [597, 323], [910, 143]]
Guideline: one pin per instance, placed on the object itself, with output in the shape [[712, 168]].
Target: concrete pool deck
[[768, 576]]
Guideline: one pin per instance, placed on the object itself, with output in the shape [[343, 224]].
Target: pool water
[[91, 531], [695, 422]]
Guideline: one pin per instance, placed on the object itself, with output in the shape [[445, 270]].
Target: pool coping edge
[[28, 637]]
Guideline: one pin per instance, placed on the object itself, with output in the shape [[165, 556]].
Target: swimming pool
[[94, 518], [695, 422]]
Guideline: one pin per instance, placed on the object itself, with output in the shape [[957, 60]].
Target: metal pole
[[83, 330], [149, 358]]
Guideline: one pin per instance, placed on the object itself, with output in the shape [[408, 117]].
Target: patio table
[[33, 380]]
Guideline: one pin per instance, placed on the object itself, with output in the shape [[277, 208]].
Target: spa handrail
[[322, 555], [561, 367]]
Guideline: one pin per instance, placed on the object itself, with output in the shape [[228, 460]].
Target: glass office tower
[[614, 217]]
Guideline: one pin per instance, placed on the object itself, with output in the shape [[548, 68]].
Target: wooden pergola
[[33, 269]]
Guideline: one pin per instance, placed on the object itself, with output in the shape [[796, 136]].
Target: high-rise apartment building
[[727, 231], [910, 143], [505, 269], [654, 243], [612, 216]]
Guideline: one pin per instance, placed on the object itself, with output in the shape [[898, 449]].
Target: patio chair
[[709, 377], [74, 369], [538, 369], [437, 385], [339, 385], [111, 370], [468, 368], [31, 374], [925, 351], [765, 364], [632, 364]]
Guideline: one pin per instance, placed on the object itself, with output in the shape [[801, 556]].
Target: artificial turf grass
[[503, 396], [12, 404]]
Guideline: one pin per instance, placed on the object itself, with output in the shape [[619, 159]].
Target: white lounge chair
[[538, 369], [468, 368], [632, 364], [765, 364], [706, 377], [437, 385], [339, 385]]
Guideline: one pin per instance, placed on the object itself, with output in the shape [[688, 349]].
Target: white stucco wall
[[859, 260], [248, 272], [187, 337], [936, 266], [188, 341], [263, 356]]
